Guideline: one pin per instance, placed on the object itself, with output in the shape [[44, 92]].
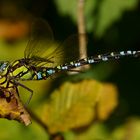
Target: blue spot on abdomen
[[39, 75], [50, 71]]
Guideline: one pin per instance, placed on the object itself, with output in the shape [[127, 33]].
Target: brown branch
[[82, 30], [38, 120]]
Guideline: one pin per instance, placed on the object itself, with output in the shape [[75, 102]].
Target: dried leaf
[[13, 30], [11, 106], [107, 101]]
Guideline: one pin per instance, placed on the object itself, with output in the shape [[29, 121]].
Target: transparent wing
[[65, 52], [42, 50], [40, 41]]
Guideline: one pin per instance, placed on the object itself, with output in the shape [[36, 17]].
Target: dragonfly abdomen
[[43, 73], [97, 59]]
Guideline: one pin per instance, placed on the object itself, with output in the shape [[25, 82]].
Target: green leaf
[[76, 105], [99, 15], [129, 130], [111, 11], [96, 131], [67, 8]]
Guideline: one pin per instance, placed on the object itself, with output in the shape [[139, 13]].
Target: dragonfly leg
[[23, 86]]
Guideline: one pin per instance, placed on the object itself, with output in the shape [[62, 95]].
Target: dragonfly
[[41, 61]]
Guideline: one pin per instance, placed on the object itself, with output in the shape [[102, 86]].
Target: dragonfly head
[[3, 67]]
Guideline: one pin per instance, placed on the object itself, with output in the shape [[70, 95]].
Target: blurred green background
[[111, 25]]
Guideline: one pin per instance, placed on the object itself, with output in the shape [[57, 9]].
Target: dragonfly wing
[[65, 52], [41, 49], [41, 39]]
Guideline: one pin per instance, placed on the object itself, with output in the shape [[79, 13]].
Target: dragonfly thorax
[[19, 70]]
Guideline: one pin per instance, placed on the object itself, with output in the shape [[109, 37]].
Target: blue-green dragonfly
[[41, 61]]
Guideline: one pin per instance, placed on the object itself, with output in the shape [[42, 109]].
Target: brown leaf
[[13, 30], [107, 101], [11, 106]]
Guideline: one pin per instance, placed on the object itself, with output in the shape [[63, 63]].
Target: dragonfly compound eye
[[3, 66]]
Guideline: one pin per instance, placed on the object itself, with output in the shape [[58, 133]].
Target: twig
[[56, 137], [38, 120], [82, 31]]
